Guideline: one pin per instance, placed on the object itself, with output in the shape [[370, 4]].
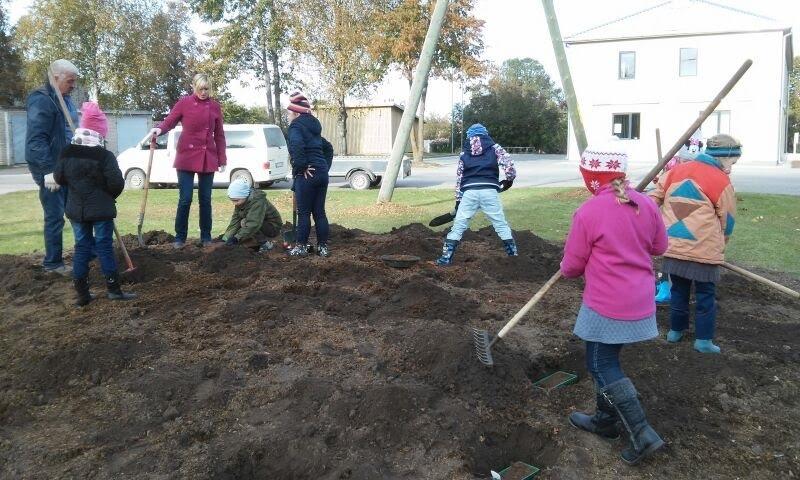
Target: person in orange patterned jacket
[[699, 208]]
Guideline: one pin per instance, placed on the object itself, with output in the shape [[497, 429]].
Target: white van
[[256, 152]]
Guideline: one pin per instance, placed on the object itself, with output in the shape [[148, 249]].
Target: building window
[[688, 64], [626, 125], [717, 122], [627, 65]]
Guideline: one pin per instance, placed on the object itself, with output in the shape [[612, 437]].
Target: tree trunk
[[421, 132], [342, 126], [267, 81], [276, 87]]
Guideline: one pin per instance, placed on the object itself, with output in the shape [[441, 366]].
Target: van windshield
[[274, 137]]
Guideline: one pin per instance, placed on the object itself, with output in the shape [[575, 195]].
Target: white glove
[[50, 183], [155, 132], [221, 169]]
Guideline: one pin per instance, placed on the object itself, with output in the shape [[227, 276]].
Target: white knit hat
[[608, 156]]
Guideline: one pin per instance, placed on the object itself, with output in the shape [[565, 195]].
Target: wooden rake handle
[[762, 280], [531, 303]]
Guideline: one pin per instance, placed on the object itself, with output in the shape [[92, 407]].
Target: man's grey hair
[[61, 67]]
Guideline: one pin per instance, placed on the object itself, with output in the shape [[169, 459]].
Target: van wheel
[[360, 180], [376, 182], [135, 179], [266, 184], [243, 174]]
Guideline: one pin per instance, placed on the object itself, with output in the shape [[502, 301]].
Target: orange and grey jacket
[[699, 208]]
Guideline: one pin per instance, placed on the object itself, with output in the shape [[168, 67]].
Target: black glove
[[505, 185], [232, 241]]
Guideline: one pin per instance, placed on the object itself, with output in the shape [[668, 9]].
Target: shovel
[[291, 236], [146, 190], [484, 343], [128, 260]]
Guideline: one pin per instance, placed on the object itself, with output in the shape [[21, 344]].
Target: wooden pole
[[764, 281], [566, 77], [658, 143], [694, 126]]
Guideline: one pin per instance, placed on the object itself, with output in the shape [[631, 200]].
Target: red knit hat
[[93, 118], [299, 103], [600, 164]]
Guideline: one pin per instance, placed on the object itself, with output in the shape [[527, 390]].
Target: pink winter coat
[[201, 146], [611, 245]]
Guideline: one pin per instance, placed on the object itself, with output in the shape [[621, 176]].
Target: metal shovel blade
[[442, 219], [483, 346]]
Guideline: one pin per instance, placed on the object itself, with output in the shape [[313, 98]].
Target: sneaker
[[298, 251], [206, 243], [323, 250], [309, 249], [266, 247], [63, 270], [177, 244]]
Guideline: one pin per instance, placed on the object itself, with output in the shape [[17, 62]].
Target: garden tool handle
[[146, 187], [762, 280], [128, 260], [524, 310]]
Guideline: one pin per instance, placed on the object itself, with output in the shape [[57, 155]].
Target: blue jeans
[[487, 200], [705, 318], [310, 193], [97, 237], [185, 192], [602, 362], [53, 204]]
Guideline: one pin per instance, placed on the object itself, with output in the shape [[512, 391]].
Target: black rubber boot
[[510, 247], [115, 290], [323, 250], [448, 250], [82, 288], [643, 439], [602, 423]]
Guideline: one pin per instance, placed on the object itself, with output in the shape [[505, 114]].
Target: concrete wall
[[670, 102], [124, 129], [370, 130]]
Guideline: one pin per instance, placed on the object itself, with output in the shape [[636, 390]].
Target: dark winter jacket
[[479, 165], [46, 134], [94, 181], [249, 219], [307, 147]]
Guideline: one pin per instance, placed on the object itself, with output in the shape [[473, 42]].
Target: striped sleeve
[[505, 162], [459, 175]]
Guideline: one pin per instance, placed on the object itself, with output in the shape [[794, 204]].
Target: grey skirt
[[699, 272], [593, 327]]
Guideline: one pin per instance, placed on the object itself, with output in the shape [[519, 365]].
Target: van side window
[[274, 137], [240, 139]]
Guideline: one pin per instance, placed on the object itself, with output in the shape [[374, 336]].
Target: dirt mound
[[237, 365]]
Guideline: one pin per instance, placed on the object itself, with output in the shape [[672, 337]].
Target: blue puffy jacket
[[307, 147], [46, 135]]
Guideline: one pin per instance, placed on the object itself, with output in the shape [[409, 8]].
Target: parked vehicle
[[256, 153], [364, 171]]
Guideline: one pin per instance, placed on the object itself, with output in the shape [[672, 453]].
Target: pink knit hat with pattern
[[299, 103], [93, 118]]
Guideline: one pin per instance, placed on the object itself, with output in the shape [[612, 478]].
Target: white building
[[660, 67]]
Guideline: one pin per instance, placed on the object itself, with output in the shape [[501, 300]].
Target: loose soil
[[235, 365]]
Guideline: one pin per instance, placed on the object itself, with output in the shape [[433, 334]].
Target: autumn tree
[[403, 30], [521, 107], [253, 39], [335, 36], [12, 88], [794, 101]]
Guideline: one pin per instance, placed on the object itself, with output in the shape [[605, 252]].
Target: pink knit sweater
[[611, 245]]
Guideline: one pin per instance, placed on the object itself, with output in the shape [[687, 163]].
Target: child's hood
[[476, 145]]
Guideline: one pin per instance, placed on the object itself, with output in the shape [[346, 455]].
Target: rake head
[[483, 346]]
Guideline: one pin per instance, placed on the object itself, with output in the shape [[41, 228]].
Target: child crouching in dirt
[[93, 181], [699, 205], [610, 243], [477, 188], [254, 221]]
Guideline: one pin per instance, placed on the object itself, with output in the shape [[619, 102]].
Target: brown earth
[[234, 365]]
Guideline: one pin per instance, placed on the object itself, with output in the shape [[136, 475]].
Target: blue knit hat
[[477, 129], [239, 189]]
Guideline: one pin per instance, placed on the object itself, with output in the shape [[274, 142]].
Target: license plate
[[279, 165]]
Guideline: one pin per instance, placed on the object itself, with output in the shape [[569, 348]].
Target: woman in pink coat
[[201, 151]]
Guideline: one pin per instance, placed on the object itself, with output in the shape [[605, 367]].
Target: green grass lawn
[[767, 227]]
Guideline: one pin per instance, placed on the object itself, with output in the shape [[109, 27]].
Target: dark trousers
[[705, 318], [53, 204], [602, 362], [311, 194], [97, 237], [185, 192]]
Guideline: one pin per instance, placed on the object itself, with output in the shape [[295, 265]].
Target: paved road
[[532, 170]]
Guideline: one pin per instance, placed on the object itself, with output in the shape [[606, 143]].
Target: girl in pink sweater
[[613, 236]]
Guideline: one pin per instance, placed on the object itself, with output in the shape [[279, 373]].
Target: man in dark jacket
[[92, 176], [47, 134], [311, 157]]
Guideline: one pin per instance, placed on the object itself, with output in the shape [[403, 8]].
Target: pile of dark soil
[[232, 364]]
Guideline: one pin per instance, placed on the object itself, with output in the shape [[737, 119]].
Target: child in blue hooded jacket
[[477, 188]]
